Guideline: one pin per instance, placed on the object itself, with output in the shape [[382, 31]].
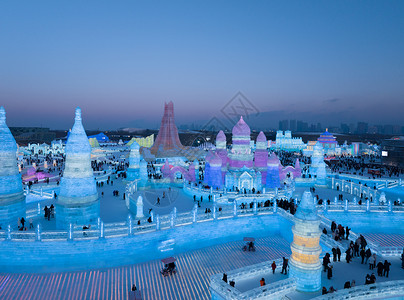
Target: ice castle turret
[[317, 158], [215, 178], [134, 162], [305, 264], [12, 199], [143, 171], [261, 153], [273, 180], [78, 201]]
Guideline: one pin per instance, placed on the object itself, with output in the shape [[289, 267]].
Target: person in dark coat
[[22, 222], [285, 266], [326, 261], [402, 260], [386, 268], [224, 277], [333, 226], [339, 253], [368, 254], [329, 272], [362, 255], [348, 255], [367, 279], [380, 268], [372, 278], [356, 249], [347, 230], [334, 254]]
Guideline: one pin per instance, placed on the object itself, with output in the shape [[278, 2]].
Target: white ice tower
[[78, 201], [12, 199], [134, 162], [305, 264]]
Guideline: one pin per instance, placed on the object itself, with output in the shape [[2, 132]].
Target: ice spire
[[78, 199], [12, 199]]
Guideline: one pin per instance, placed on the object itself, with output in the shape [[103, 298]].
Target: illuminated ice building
[[241, 168]]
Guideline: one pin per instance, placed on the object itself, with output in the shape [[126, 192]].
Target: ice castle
[[242, 168], [12, 199], [78, 201]]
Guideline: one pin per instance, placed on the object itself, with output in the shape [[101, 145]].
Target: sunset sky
[[332, 61]]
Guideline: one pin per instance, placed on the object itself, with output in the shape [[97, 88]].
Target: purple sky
[[337, 61]]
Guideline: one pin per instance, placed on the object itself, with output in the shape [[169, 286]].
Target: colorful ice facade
[[12, 199], [304, 263], [327, 140], [241, 168], [78, 201]]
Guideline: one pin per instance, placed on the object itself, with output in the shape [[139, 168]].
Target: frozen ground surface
[[195, 267], [190, 282]]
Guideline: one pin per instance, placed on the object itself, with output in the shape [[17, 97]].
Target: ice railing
[[224, 194], [369, 291], [274, 290], [129, 227], [351, 207]]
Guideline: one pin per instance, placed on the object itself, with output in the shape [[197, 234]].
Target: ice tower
[[167, 138], [12, 199], [317, 158], [134, 162], [305, 264], [78, 201]]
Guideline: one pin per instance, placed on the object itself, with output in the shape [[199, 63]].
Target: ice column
[[12, 199], [78, 201], [305, 265], [139, 208], [134, 162]]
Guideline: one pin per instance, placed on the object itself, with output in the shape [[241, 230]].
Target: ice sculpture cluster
[[305, 264], [134, 162], [12, 199], [78, 201]]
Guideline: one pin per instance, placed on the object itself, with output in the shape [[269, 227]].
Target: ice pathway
[[191, 281]]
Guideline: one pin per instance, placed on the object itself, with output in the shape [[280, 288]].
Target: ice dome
[[273, 159], [221, 137], [209, 157], [241, 128], [134, 146], [215, 160], [261, 137]]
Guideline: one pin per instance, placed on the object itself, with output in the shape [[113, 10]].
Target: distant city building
[[392, 151], [284, 125], [362, 128]]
